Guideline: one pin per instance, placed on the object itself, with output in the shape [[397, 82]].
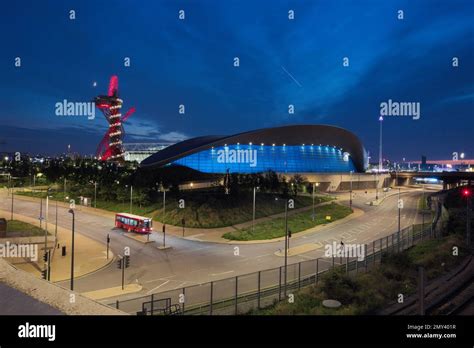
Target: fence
[[241, 294]]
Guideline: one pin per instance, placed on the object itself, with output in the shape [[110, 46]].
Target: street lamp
[[376, 186], [131, 198], [399, 215], [467, 194], [12, 201], [380, 146], [56, 225], [286, 242], [95, 194], [315, 184], [255, 188], [46, 221], [423, 209], [41, 212], [350, 192], [71, 211]]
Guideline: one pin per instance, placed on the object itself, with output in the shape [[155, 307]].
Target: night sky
[[282, 62]]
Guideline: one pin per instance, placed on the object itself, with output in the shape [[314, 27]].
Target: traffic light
[[44, 274], [127, 261], [183, 222], [466, 192], [45, 257], [289, 233], [164, 228], [108, 239], [119, 263]]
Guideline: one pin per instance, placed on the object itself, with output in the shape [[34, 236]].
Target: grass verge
[[22, 229], [368, 292], [297, 222]]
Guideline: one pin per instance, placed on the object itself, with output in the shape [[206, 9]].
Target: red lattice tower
[[111, 146]]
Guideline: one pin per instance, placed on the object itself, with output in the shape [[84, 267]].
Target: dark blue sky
[[190, 62]]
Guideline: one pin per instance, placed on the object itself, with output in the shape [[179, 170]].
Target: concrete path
[[89, 256]]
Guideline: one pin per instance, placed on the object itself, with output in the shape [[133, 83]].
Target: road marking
[[306, 257], [157, 287], [196, 235], [218, 274]]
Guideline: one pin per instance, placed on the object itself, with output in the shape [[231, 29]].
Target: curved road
[[192, 262]]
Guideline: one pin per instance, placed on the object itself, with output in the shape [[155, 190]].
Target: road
[[191, 262]]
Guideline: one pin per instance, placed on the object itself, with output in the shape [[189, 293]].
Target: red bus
[[133, 223]]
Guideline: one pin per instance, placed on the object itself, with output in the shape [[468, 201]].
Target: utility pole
[[131, 198]]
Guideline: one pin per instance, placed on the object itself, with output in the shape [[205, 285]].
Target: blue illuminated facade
[[261, 158], [305, 148]]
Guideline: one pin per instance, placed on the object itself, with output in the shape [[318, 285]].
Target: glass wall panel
[[261, 158]]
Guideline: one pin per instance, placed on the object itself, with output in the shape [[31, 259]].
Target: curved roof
[[289, 135]]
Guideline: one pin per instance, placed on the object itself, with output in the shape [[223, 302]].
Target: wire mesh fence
[[244, 293]]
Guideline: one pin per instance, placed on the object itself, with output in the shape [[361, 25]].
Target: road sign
[[400, 203]]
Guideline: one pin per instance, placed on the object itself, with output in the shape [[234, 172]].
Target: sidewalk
[[89, 255]]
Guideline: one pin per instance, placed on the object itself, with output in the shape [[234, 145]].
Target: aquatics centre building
[[286, 149]]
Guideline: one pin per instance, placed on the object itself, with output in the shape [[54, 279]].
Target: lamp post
[[380, 145], [376, 186], [47, 208], [399, 213], [12, 203], [467, 194], [253, 215], [95, 194], [315, 184], [71, 211], [423, 209], [164, 215], [41, 212], [131, 198], [350, 192], [286, 243], [56, 225]]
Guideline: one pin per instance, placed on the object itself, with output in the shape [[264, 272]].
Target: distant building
[[139, 151]]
